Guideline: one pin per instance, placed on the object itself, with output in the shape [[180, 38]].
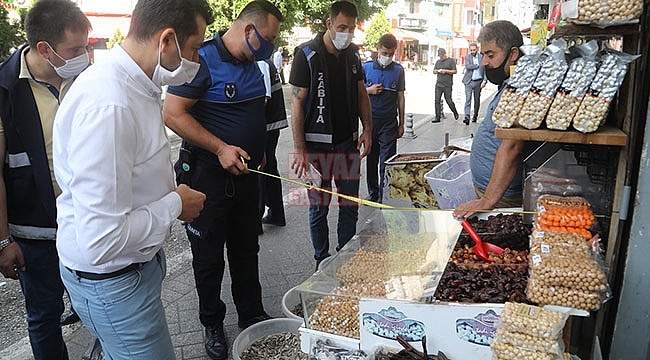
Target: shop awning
[[408, 35]]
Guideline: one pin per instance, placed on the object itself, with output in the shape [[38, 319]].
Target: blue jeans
[[43, 292], [341, 163], [125, 312]]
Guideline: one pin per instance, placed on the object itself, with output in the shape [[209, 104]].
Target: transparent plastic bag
[[581, 72], [549, 77], [532, 320], [517, 87]]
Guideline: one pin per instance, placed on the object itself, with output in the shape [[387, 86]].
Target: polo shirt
[[231, 102], [384, 104]]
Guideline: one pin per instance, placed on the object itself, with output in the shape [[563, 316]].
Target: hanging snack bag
[[572, 214], [605, 13], [549, 78], [582, 71], [518, 86], [595, 105]]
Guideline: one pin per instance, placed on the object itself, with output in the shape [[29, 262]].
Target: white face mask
[[184, 73], [384, 60], [342, 40], [72, 67]]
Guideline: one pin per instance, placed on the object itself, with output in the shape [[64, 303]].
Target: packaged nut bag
[[513, 351], [528, 342], [517, 87], [594, 107], [582, 274], [604, 13], [549, 78], [532, 320], [572, 214], [574, 87], [565, 296]]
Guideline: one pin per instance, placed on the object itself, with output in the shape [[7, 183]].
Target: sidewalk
[[285, 252]]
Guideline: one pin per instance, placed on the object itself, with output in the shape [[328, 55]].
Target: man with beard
[[496, 164]]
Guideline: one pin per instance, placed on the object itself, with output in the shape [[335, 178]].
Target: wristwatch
[[4, 243]]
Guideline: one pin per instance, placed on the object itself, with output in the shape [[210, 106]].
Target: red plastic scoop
[[480, 248]]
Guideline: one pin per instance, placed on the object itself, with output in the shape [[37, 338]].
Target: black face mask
[[498, 74]]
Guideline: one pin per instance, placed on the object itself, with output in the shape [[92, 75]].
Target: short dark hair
[[48, 20], [259, 10], [504, 33], [388, 41], [150, 16], [441, 52], [473, 44], [345, 7]]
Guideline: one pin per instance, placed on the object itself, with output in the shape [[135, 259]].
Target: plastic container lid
[[451, 182]]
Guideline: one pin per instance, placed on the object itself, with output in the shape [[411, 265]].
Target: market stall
[[586, 162]]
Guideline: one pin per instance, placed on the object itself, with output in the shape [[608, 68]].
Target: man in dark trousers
[[385, 85], [220, 116], [474, 80], [445, 68], [328, 98], [33, 81], [276, 120]]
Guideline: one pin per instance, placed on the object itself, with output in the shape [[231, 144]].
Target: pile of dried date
[[506, 231], [482, 283]]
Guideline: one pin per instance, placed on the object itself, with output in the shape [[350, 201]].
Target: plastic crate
[[451, 182]]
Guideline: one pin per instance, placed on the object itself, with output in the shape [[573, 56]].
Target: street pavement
[[286, 254]]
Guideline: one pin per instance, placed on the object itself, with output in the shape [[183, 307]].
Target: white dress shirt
[[112, 162]]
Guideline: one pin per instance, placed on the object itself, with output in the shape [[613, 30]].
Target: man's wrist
[[6, 242]]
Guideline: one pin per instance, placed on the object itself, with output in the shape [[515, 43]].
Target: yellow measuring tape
[[359, 200]]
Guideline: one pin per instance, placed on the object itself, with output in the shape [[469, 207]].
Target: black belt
[[477, 79], [95, 276]]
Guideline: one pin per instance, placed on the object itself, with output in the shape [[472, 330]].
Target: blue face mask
[[265, 50]]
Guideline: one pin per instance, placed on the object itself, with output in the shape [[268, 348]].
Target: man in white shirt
[[278, 62], [119, 199]]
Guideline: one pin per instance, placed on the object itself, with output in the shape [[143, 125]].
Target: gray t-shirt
[[445, 80]]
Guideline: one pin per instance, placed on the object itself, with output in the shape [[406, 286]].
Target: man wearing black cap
[[445, 68]]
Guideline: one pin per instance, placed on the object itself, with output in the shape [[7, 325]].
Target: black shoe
[[466, 121], [215, 342], [277, 222], [474, 120], [456, 116], [69, 318], [243, 324], [435, 120]]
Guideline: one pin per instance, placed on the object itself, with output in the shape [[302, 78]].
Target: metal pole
[[408, 127]]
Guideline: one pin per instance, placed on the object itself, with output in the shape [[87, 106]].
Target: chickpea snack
[[581, 72], [549, 78], [593, 110], [518, 86]]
